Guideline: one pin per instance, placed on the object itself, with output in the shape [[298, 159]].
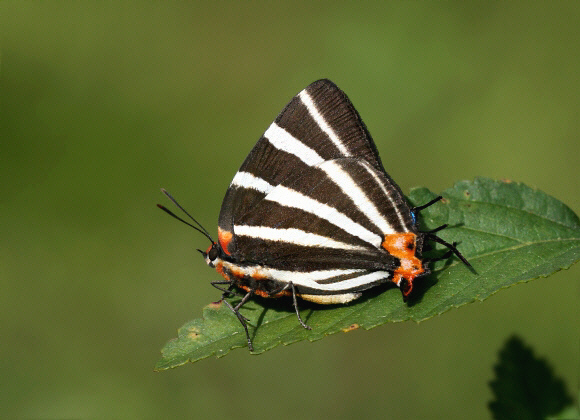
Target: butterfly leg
[[290, 285], [296, 306], [226, 292], [243, 320]]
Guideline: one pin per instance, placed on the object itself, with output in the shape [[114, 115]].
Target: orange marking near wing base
[[224, 238], [402, 246], [237, 273], [220, 269], [264, 293], [258, 275]]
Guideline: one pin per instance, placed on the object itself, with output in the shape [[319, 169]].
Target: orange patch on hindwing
[[402, 246]]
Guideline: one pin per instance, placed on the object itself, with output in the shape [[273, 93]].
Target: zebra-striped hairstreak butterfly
[[312, 214]]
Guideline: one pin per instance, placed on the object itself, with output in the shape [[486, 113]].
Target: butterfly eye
[[213, 253]]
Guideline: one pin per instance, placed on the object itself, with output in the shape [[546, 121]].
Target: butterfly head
[[212, 255]]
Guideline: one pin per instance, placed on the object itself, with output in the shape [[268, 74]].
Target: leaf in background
[[525, 386], [571, 412], [509, 232]]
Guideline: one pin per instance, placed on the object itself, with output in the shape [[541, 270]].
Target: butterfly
[[312, 213]]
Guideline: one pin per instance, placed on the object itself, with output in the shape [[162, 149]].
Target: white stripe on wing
[[247, 180], [317, 116], [293, 236], [341, 178], [282, 140]]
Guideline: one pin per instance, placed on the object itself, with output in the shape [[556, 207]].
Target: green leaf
[[509, 232], [525, 386]]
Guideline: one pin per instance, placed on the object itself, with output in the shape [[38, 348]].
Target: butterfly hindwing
[[335, 214]]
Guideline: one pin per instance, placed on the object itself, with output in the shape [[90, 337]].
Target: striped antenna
[[200, 229]]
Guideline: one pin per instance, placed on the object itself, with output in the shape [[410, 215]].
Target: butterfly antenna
[[424, 206], [431, 235], [452, 247], [200, 229]]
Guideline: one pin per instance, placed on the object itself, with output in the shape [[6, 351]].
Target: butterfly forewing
[[319, 124], [324, 119]]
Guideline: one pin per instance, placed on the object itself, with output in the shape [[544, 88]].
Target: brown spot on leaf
[[215, 305], [351, 327], [193, 333]]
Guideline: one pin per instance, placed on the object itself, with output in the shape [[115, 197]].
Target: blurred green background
[[104, 103]]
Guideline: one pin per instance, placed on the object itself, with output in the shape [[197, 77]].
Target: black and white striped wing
[[325, 229], [333, 217], [319, 124]]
